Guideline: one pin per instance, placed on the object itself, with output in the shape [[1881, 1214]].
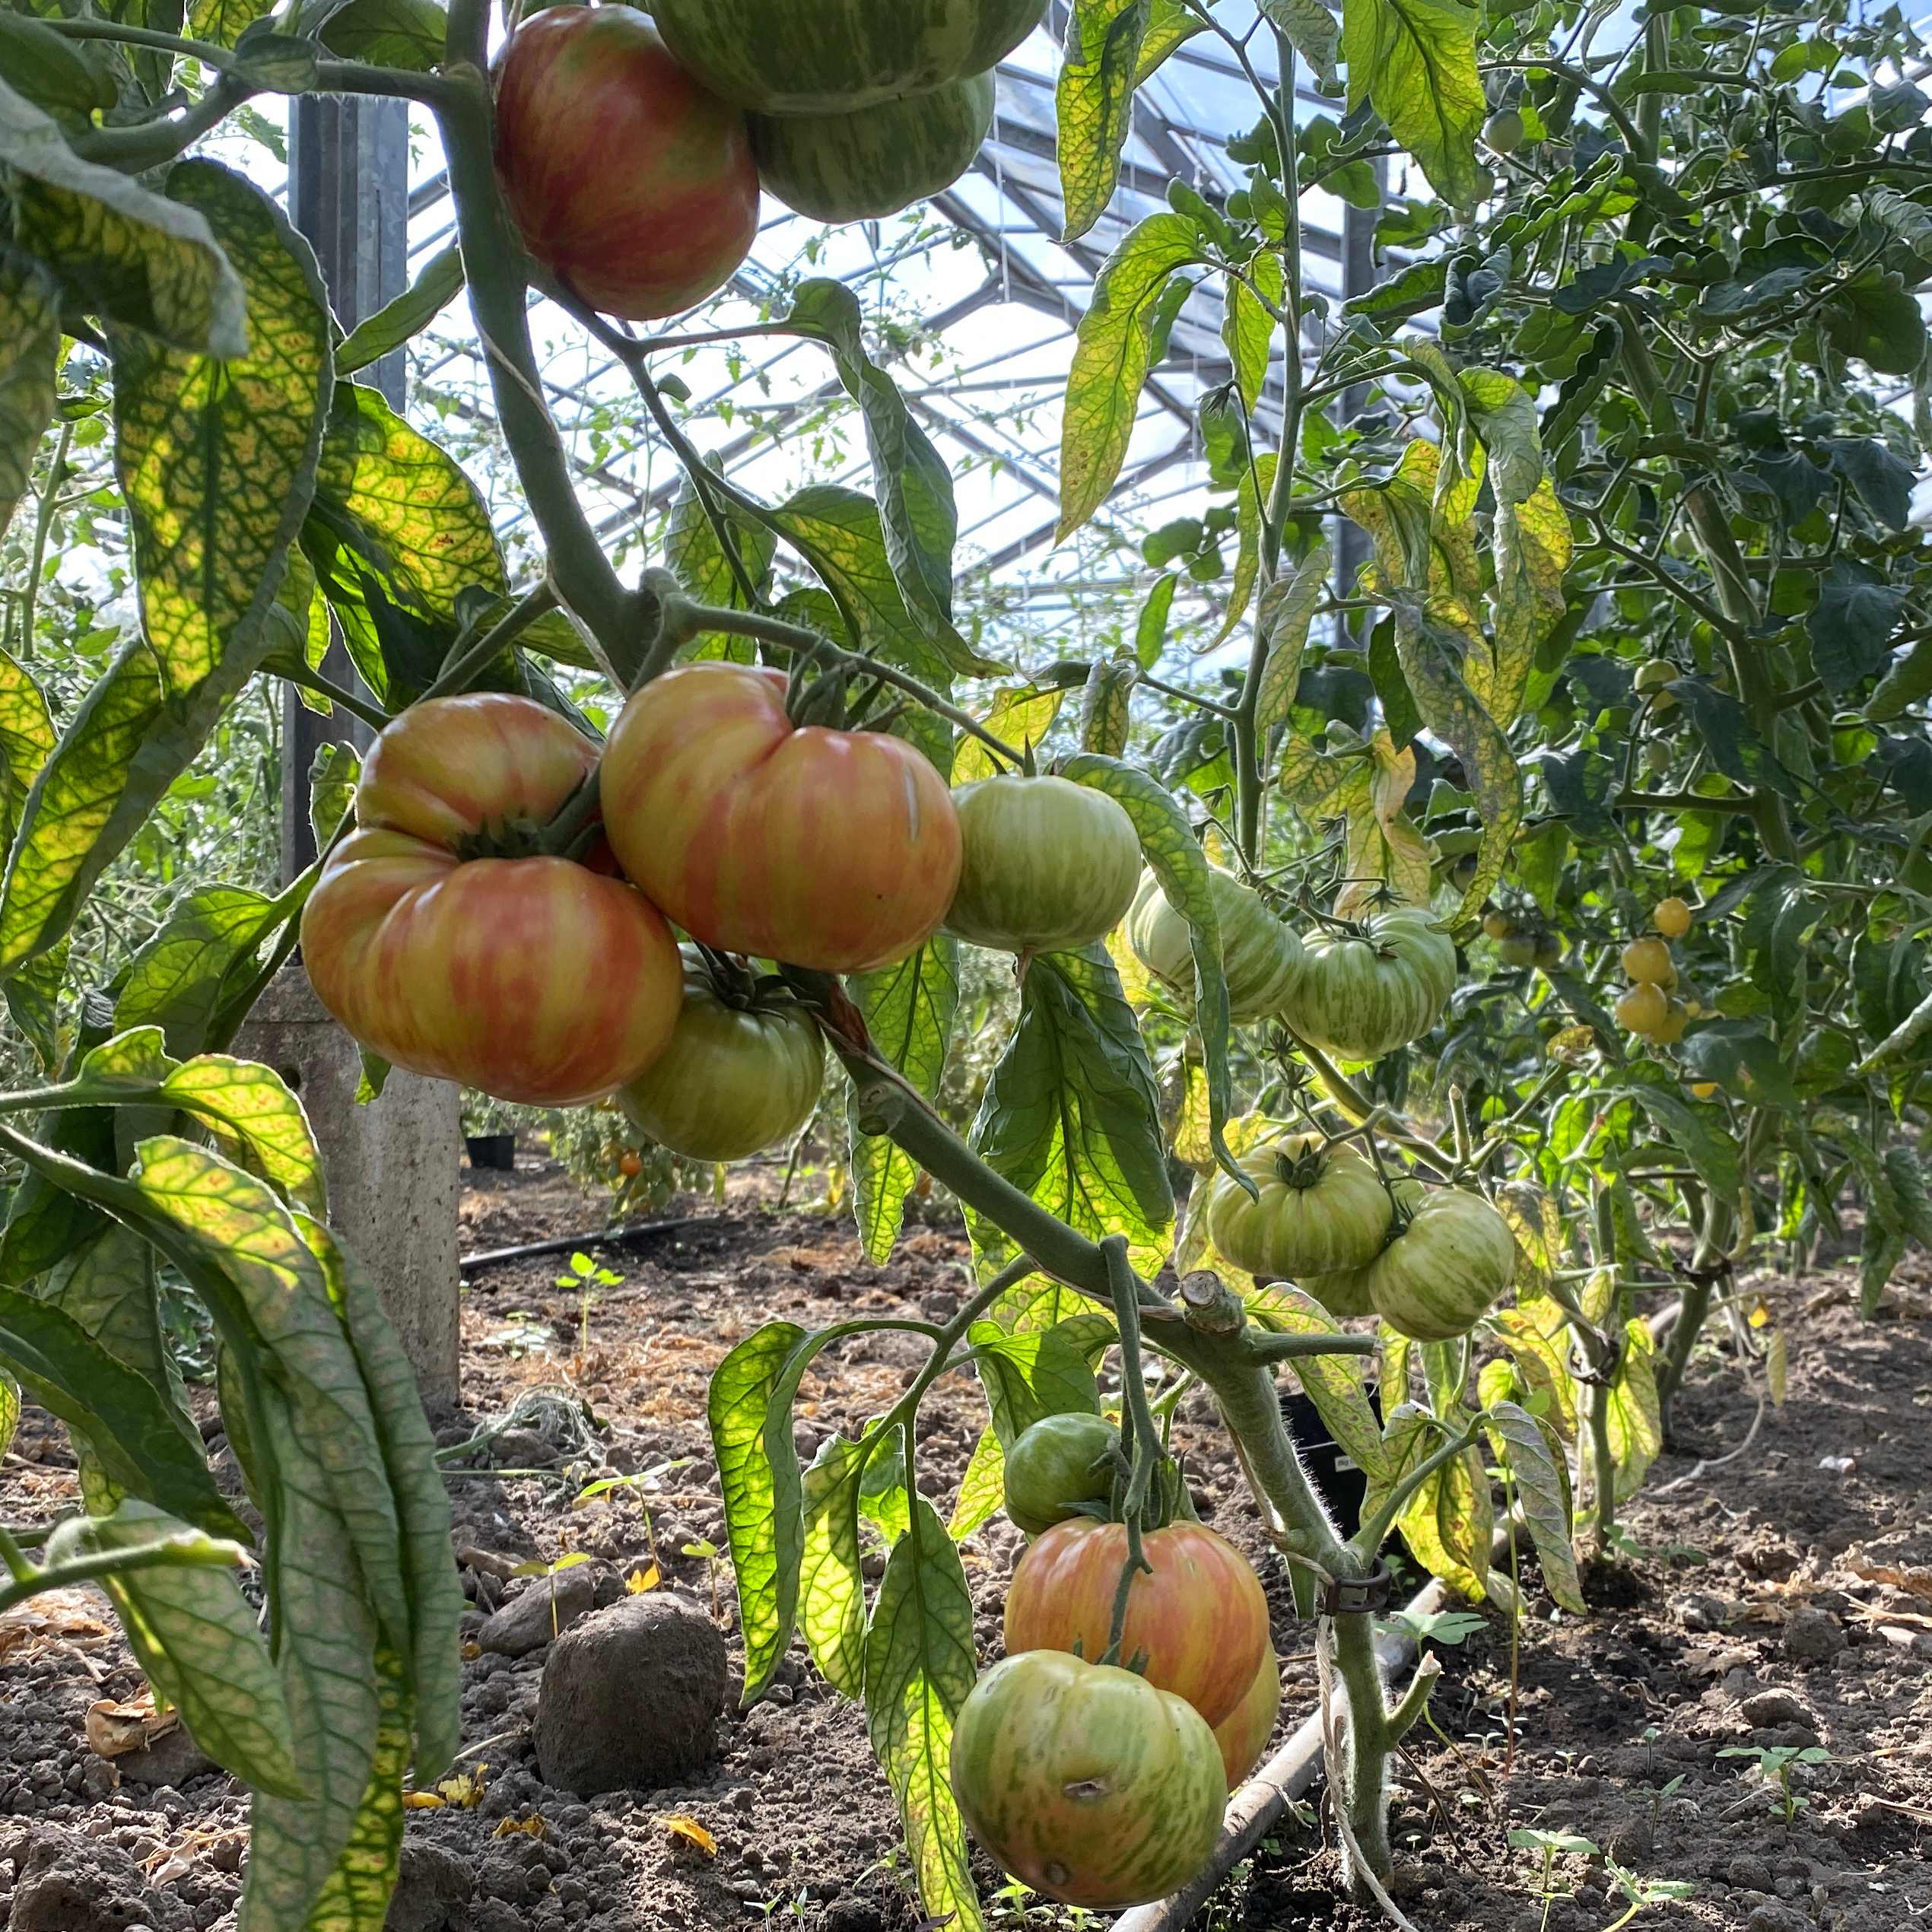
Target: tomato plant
[[1527, 827]]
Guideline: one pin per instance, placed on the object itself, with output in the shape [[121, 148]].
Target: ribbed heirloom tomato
[[1321, 1209], [1199, 1616], [1261, 957], [1085, 1781], [627, 178], [1364, 993], [1442, 1272], [837, 850], [738, 1077], [534, 979]]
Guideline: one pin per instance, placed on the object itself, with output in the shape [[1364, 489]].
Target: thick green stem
[[457, 677], [43, 522], [1602, 1460], [173, 1554], [494, 264]]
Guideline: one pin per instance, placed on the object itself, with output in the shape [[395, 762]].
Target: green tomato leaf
[[982, 1489], [750, 1407], [432, 1677], [916, 513], [194, 1634], [693, 555], [9, 1411], [1071, 1117], [143, 261], [1636, 1425], [143, 1442], [216, 460], [438, 283], [1288, 608], [840, 533], [28, 739], [184, 977], [1331, 1383], [1111, 357], [1311, 31], [831, 1586], [1100, 68], [1170, 24], [30, 341], [1519, 1442], [1450, 1523], [909, 1010], [396, 533], [1414, 62], [223, 22], [1851, 624], [411, 34], [920, 1668], [1030, 1375]]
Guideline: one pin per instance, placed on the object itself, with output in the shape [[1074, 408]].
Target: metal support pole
[[348, 193]]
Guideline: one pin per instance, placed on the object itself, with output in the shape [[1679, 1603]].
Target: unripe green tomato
[[1519, 949], [1549, 951], [732, 1081], [1047, 865], [1061, 1462], [1654, 676], [1462, 874], [1502, 133]]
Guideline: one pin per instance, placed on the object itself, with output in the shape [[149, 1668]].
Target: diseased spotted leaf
[[919, 1670], [1100, 69], [1111, 357], [143, 261], [1414, 61], [1545, 1497], [29, 340], [1288, 607], [832, 1587]]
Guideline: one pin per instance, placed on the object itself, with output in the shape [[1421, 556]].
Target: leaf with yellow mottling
[[1250, 506], [1385, 848], [1020, 716], [1100, 69], [1288, 607]]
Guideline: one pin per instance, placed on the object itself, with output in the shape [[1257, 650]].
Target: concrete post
[[393, 1166]]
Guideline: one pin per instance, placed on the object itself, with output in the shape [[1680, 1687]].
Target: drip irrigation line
[[644, 1230]]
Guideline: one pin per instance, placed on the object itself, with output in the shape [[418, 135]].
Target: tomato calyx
[[739, 985], [570, 834]]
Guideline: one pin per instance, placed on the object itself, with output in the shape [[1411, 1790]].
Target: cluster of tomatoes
[[632, 155], [502, 914], [1100, 1786], [1650, 1008]]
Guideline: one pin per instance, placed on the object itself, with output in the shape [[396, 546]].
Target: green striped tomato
[[533, 978], [1243, 1735], [830, 56], [844, 166], [1261, 957], [1200, 1617], [734, 1080], [1363, 992], [1319, 1211], [1047, 865], [1085, 1782], [1061, 1462], [1443, 1272]]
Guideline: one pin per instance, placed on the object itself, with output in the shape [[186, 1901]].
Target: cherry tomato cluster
[[1649, 1009]]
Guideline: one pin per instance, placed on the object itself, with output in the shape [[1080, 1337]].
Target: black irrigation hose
[[644, 1230]]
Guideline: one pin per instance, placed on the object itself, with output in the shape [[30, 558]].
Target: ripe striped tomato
[[1200, 1617], [835, 849], [536, 979]]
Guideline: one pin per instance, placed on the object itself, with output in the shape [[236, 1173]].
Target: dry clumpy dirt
[[1785, 1599]]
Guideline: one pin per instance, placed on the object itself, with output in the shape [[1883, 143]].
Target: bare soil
[[1804, 1568]]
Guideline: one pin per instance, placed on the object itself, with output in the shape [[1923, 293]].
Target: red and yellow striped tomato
[[534, 979], [1243, 1735], [1085, 1782], [1200, 1617], [627, 178], [838, 851]]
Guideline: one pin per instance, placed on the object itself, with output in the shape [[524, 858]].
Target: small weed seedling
[[709, 1553], [1775, 1762], [1552, 1845], [1642, 1892], [1447, 1628], [584, 1276], [552, 1571]]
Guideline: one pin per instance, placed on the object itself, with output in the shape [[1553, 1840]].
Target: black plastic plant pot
[[494, 1152], [1341, 1483]]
